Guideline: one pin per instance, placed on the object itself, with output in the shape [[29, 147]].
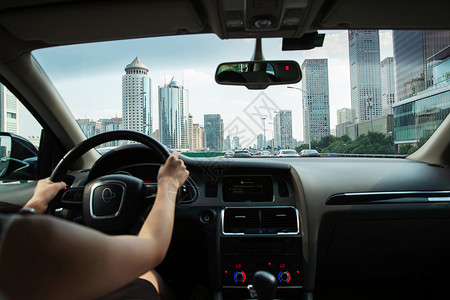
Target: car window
[[19, 140], [361, 93]]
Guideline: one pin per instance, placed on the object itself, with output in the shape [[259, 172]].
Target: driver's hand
[[173, 173], [44, 192]]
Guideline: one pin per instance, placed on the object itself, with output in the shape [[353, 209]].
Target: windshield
[[361, 93]]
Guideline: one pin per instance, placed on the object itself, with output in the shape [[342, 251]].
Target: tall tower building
[[9, 111], [365, 79], [213, 132], [316, 104], [136, 98], [282, 129], [174, 115], [414, 58], [387, 85]]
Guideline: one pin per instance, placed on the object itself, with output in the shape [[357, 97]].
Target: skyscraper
[[414, 57], [174, 115], [9, 111], [136, 98], [365, 79], [213, 132], [387, 85], [282, 129], [316, 106]]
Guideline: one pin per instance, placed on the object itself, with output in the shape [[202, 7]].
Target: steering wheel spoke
[[72, 197], [150, 190]]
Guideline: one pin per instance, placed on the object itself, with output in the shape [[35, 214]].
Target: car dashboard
[[324, 227]]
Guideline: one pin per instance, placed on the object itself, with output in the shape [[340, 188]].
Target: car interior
[[325, 228]]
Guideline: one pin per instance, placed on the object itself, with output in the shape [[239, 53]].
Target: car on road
[[229, 154], [287, 153], [265, 153], [242, 154], [309, 153]]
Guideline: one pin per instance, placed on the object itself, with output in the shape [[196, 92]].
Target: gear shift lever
[[264, 284]]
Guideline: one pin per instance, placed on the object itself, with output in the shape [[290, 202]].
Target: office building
[[422, 64], [190, 131], [414, 57], [197, 137], [90, 127], [213, 132], [9, 111], [365, 79], [344, 115], [111, 125], [136, 98], [235, 143], [315, 101], [387, 85], [282, 129], [174, 115], [260, 141]]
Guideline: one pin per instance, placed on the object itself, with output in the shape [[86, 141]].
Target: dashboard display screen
[[247, 189]]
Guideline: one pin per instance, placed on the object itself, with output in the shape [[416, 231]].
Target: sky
[[89, 76]]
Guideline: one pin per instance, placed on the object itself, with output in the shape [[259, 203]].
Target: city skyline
[[199, 78]]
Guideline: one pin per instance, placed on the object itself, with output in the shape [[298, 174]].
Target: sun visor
[[67, 23]]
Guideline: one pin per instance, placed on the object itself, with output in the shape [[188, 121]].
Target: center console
[[266, 238]]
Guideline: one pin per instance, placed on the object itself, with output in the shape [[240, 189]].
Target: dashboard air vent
[[262, 220], [279, 219], [241, 220]]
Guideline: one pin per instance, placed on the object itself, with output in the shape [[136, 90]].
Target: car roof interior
[[32, 24]]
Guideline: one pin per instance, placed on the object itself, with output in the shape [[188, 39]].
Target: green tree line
[[372, 143]]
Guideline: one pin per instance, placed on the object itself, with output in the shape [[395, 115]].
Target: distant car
[[309, 153], [241, 153], [229, 154], [265, 153], [287, 153]]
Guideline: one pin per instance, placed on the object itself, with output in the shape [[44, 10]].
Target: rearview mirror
[[258, 75]]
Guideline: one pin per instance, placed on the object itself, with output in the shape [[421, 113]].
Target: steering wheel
[[109, 202]]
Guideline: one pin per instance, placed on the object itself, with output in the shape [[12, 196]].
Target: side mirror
[[5, 153], [18, 158], [259, 74]]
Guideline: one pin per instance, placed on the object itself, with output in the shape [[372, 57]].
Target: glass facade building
[[365, 78], [213, 126], [421, 115], [415, 57], [316, 102], [424, 106], [174, 115]]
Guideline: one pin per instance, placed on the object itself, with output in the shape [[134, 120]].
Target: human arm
[[57, 259]]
